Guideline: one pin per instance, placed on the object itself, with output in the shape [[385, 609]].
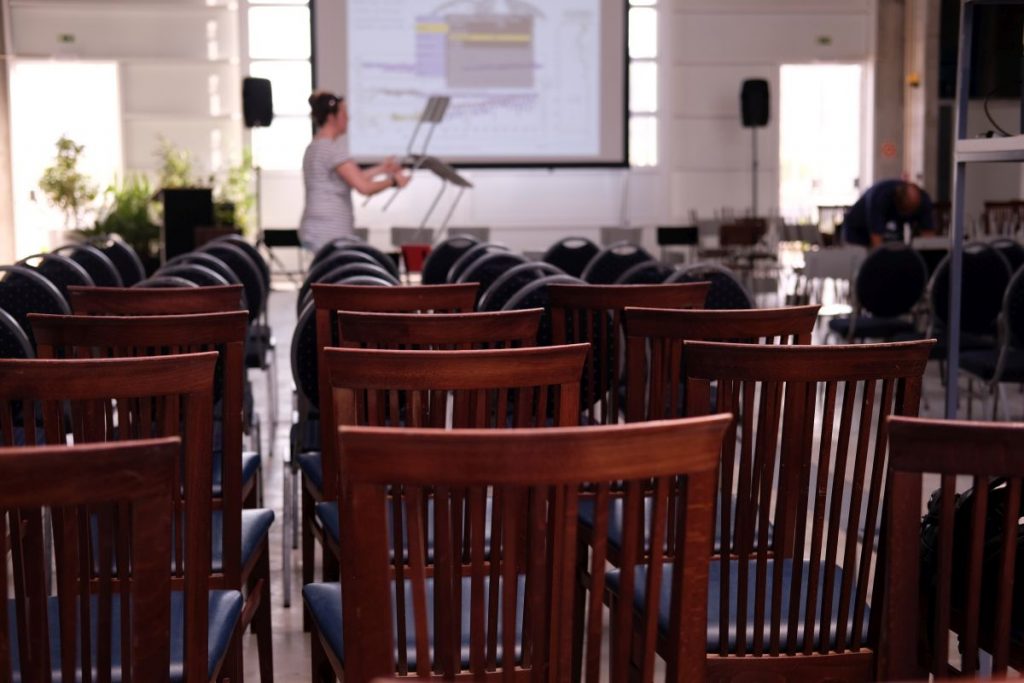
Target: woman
[[330, 176]]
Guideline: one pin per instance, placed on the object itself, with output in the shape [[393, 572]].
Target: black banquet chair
[[511, 281], [443, 256], [60, 270], [23, 291], [97, 264], [726, 291], [571, 255], [609, 265]]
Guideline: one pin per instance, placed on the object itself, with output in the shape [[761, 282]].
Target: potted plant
[[66, 187]]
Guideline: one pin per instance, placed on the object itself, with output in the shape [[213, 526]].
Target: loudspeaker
[[185, 209], [755, 103], [257, 102]]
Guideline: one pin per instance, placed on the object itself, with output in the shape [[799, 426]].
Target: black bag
[[963, 509]]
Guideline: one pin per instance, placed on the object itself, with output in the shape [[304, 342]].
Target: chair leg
[[261, 620], [579, 611], [321, 668], [308, 549], [286, 530]]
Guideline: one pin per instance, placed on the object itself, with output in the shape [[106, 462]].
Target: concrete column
[[887, 155], [921, 95], [6, 178]]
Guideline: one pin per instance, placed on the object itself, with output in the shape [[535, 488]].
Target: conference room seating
[[593, 314], [571, 255], [610, 263], [157, 301], [471, 256], [98, 265], [58, 269], [240, 552], [725, 292], [655, 348], [509, 283], [958, 571], [646, 273], [443, 256], [794, 591], [14, 343], [122, 255], [106, 501], [504, 606], [24, 291], [888, 286], [168, 396], [488, 268], [329, 263], [439, 331]]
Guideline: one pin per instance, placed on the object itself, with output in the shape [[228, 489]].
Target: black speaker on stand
[[755, 106]]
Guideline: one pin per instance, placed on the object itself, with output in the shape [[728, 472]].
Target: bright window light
[[643, 87], [290, 83], [643, 32], [279, 33], [280, 146], [643, 141], [50, 99]]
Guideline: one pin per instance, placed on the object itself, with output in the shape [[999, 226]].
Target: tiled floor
[[291, 644]]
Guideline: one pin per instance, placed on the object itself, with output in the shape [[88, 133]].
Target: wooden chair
[[968, 586], [440, 389], [242, 557], [122, 399], [654, 348], [440, 331], [502, 605], [126, 489], [156, 301], [593, 313], [327, 301], [799, 558]]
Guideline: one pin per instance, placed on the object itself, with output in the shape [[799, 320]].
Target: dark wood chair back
[[123, 492], [163, 335], [154, 301], [504, 603], [123, 399], [966, 585], [654, 348], [329, 299], [593, 314], [796, 518], [441, 331]]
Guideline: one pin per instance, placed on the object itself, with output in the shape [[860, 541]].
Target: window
[[643, 83], [279, 50]]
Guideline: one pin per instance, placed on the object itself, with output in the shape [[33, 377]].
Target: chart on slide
[[523, 76]]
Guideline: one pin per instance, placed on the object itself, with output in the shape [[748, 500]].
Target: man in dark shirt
[[880, 213]]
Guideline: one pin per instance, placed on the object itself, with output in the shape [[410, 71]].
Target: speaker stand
[[753, 173]]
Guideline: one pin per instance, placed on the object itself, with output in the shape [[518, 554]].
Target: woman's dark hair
[[323, 104]]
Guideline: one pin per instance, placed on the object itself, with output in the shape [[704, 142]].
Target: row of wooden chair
[[168, 363]]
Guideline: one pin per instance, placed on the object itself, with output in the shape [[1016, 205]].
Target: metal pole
[[956, 237], [753, 175], [437, 199]]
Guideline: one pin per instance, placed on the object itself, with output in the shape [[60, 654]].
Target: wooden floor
[[291, 645]]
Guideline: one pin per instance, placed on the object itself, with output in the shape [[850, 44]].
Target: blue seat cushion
[[983, 364], [327, 513], [311, 464], [255, 527], [586, 516], [225, 609], [714, 604], [872, 328], [324, 603], [250, 466]]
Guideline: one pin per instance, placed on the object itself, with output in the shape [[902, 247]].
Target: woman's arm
[[363, 181]]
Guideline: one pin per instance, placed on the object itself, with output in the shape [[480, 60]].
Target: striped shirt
[[328, 213]]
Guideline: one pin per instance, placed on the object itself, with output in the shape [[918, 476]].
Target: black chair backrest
[[891, 280], [726, 292], [332, 246], [201, 275], [608, 265], [23, 291], [254, 253], [535, 295], [1013, 309], [207, 260], [1011, 251], [986, 275], [14, 343], [571, 255], [99, 266], [382, 259], [511, 281], [489, 268], [646, 273], [247, 271], [334, 260], [443, 256], [60, 270], [303, 351], [471, 256], [124, 258], [164, 281]]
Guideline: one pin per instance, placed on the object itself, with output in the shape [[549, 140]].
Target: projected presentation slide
[[524, 77]]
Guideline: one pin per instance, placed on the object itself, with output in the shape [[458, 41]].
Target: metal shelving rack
[[968, 151]]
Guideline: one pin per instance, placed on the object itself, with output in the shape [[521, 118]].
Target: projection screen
[[532, 82]]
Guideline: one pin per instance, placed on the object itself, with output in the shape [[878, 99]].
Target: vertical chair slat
[[1008, 555], [944, 576], [972, 607]]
